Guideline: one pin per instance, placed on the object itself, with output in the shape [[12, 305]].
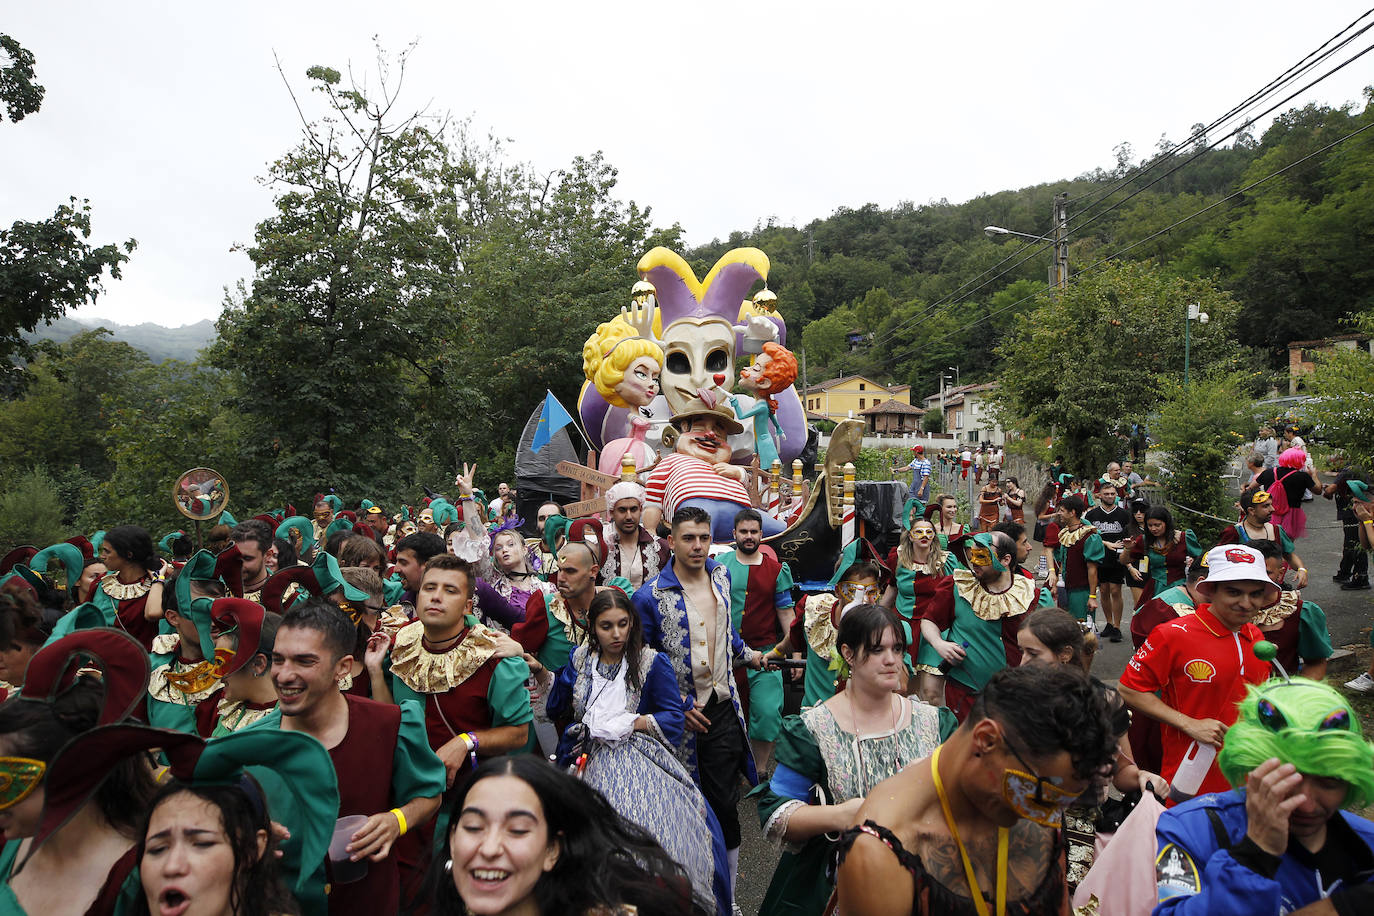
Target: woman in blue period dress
[[627, 716], [831, 755]]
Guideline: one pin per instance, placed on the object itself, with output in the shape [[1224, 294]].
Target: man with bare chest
[[686, 615], [974, 829]]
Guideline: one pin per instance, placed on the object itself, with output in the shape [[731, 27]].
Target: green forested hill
[[917, 279]]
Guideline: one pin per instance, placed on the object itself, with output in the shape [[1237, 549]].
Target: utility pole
[[804, 385], [1061, 241]]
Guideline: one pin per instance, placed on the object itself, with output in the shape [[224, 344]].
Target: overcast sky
[[717, 115]]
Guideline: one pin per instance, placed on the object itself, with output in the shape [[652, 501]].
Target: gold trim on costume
[[1279, 611], [438, 672], [228, 709], [820, 632], [165, 644], [121, 591], [559, 609], [1069, 538], [986, 605]]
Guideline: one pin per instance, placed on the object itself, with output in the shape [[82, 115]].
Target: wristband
[[1368, 521], [400, 819], [1302, 569], [471, 741], [1092, 596]]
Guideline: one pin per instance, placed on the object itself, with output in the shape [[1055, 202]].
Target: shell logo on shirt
[[1200, 671]]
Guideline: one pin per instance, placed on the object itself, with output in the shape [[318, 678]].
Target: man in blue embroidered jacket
[[685, 610], [1279, 843]]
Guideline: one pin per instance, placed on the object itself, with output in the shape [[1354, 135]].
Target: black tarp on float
[[536, 481]]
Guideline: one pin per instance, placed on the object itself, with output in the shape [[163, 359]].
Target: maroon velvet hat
[[276, 586], [83, 763], [588, 531], [246, 617], [17, 555], [229, 567], [83, 544], [121, 659]]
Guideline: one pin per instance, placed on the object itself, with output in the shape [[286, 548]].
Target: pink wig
[[1292, 458]]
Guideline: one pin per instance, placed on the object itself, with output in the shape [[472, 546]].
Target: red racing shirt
[[1201, 669]]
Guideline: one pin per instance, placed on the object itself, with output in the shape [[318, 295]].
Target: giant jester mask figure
[[695, 322]]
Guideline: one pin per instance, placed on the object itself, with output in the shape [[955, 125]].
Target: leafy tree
[[49, 266], [30, 512], [74, 391], [1199, 427], [20, 95], [1343, 406], [933, 421], [347, 274], [1093, 359], [179, 422]]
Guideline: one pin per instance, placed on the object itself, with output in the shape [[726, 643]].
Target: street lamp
[[1059, 267], [993, 231], [1193, 313]]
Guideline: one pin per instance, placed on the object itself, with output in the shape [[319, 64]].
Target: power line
[[1311, 60], [1098, 263]]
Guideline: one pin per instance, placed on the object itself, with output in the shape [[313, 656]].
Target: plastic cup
[[344, 870]]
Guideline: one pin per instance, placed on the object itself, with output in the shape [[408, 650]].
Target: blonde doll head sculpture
[[624, 366]]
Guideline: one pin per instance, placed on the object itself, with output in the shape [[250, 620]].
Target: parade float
[[692, 375]]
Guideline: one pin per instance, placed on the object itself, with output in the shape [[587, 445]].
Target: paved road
[[1348, 615]]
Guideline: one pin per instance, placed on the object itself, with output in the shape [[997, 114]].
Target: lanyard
[[978, 902]]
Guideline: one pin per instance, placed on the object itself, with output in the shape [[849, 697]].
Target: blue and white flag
[[551, 419]]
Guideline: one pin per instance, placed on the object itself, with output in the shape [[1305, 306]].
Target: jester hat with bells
[[299, 531], [204, 566], [682, 297]]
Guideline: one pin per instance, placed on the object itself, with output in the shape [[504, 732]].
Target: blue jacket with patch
[[1198, 873]]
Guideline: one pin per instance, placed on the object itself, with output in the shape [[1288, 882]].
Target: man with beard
[[686, 615], [632, 550], [254, 539], [412, 553], [1113, 526], [385, 768], [975, 637], [699, 474], [761, 609]]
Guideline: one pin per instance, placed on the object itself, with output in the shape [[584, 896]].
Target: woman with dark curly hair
[[134, 575], [208, 849], [525, 837]]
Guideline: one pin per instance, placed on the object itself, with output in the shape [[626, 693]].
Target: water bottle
[[1196, 762], [1042, 572]]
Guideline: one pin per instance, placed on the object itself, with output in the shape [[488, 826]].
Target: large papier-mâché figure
[[695, 321]]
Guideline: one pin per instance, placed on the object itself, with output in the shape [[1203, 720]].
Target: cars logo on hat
[[1240, 556]]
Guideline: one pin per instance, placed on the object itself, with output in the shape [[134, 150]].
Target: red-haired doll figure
[[773, 370]]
